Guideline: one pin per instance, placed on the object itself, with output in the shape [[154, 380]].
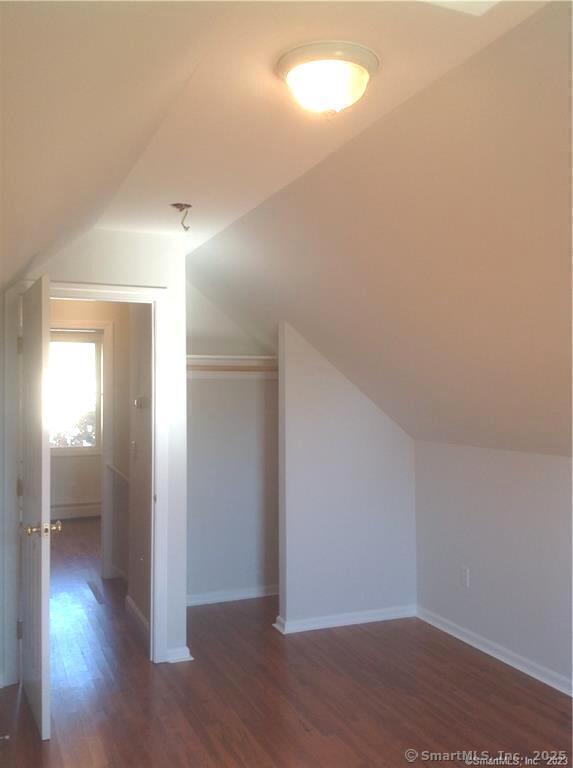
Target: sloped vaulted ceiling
[[84, 87], [429, 258], [113, 110], [422, 245]]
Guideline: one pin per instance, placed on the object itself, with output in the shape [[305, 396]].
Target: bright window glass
[[73, 394]]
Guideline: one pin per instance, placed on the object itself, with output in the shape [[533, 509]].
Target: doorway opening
[[99, 410], [27, 525]]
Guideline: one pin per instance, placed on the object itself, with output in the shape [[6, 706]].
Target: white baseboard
[[175, 655], [531, 668], [139, 619], [10, 677], [81, 509], [230, 595], [280, 625], [344, 619], [113, 572]]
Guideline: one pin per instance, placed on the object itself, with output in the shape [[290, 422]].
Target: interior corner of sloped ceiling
[[117, 256], [223, 320]]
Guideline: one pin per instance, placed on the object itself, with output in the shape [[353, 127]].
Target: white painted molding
[[344, 619], [280, 624], [75, 509], [115, 573], [163, 485], [235, 366], [112, 468], [228, 596], [76, 453], [531, 668], [139, 619], [234, 375], [230, 361], [176, 655]]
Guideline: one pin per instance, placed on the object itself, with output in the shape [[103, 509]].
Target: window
[[74, 391]]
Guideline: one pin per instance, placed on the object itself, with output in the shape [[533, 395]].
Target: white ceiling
[[233, 136], [111, 111], [84, 87], [476, 8], [416, 239], [429, 258]]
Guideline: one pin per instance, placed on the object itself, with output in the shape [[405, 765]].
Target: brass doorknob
[[45, 528]]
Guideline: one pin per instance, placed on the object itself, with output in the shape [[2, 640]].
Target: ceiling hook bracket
[[184, 209]]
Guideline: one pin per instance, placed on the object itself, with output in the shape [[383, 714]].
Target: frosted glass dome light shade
[[328, 76]]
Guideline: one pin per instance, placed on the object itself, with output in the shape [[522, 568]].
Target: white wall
[[75, 485], [507, 517], [118, 499], [232, 491], [141, 456], [346, 498], [210, 331]]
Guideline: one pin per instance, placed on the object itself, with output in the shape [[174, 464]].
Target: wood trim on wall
[[225, 366]]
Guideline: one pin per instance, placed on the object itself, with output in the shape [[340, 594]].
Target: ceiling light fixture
[[328, 76]]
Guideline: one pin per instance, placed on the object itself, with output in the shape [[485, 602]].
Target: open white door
[[35, 500]]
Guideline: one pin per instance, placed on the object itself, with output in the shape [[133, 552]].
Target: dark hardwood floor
[[352, 697]]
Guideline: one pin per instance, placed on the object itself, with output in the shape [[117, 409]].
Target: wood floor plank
[[351, 697]]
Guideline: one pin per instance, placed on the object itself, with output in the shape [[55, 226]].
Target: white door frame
[[157, 299]]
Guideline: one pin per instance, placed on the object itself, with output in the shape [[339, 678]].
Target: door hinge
[[19, 487], [20, 344], [155, 498], [19, 629]]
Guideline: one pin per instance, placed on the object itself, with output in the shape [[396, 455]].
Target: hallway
[[87, 614], [352, 697]]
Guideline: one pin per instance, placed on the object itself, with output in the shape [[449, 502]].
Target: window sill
[[56, 453]]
